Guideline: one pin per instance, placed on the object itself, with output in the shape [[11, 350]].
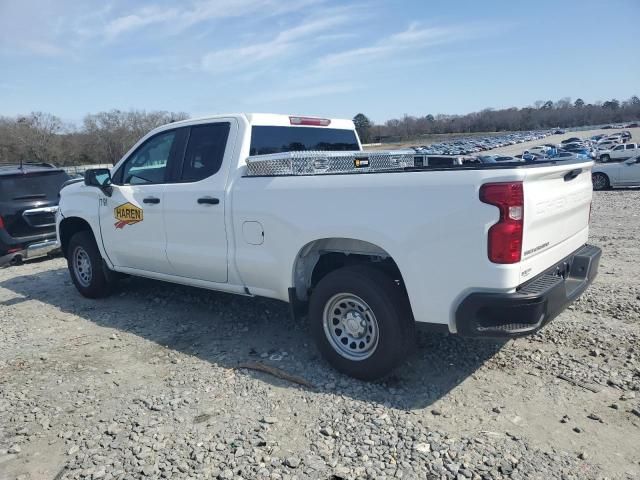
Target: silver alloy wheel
[[599, 181], [350, 326], [82, 266]]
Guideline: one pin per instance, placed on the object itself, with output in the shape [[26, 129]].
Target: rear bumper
[[34, 250], [533, 304]]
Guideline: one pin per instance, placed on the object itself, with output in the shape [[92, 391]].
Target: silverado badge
[[127, 214]]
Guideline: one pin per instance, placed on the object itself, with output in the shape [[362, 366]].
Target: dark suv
[[29, 194]]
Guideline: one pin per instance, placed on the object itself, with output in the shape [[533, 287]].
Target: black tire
[[600, 181], [97, 281], [605, 158], [391, 312]]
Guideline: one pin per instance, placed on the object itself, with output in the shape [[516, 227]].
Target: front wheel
[[600, 181], [605, 158], [88, 272], [361, 322]]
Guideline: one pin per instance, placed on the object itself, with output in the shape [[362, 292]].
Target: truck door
[[195, 203], [132, 218], [630, 172], [618, 152]]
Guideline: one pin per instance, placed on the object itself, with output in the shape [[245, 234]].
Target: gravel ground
[[145, 384]]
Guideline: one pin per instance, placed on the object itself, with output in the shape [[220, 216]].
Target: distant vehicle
[[558, 132], [573, 146], [607, 127], [29, 195], [623, 174], [543, 149], [570, 140], [564, 156], [497, 158], [619, 152], [632, 125], [616, 137]]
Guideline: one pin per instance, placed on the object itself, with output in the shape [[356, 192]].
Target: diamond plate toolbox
[[325, 162]]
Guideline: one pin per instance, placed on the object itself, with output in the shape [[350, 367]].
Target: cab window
[[148, 164], [205, 151]]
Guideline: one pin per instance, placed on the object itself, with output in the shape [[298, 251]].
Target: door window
[[148, 164], [631, 146], [619, 147], [205, 151]]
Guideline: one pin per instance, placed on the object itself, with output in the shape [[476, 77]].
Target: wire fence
[[78, 170]]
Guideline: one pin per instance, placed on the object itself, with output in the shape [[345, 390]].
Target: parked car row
[[471, 145]]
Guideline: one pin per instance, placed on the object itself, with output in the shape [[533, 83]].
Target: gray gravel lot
[[145, 384]]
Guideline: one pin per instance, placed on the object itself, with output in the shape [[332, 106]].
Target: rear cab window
[[277, 139], [32, 185]]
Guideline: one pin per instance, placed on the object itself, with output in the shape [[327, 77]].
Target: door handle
[[151, 200], [209, 201], [572, 174]]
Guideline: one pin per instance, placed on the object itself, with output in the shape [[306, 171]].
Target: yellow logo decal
[[127, 214]]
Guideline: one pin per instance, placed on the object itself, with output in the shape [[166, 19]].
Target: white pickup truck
[[619, 153], [365, 244]]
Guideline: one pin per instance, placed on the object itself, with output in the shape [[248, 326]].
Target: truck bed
[[359, 162]]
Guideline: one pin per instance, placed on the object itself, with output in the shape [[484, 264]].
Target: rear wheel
[[600, 181], [361, 322], [605, 158], [88, 272]]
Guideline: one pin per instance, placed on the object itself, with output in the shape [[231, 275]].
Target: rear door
[[556, 214], [195, 202], [630, 172], [132, 218]]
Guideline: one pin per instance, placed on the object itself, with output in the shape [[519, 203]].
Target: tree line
[[102, 138], [541, 115]]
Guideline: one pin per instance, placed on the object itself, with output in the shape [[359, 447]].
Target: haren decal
[[127, 214]]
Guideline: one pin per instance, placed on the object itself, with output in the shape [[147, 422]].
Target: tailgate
[[556, 214]]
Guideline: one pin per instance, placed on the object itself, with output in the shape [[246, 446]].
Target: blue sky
[[330, 58]]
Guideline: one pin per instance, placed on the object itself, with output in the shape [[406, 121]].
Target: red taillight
[[318, 122], [1, 223], [505, 237]]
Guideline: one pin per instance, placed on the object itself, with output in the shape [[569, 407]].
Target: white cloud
[[413, 38], [302, 92], [144, 17], [283, 44], [177, 19]]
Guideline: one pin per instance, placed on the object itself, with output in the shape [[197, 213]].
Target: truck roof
[[268, 119]]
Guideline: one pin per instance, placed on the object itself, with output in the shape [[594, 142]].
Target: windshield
[[270, 139], [33, 185]]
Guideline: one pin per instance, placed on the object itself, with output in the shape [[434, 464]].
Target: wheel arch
[[69, 227], [319, 257]]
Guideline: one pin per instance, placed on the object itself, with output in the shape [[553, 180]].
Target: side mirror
[[99, 177]]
